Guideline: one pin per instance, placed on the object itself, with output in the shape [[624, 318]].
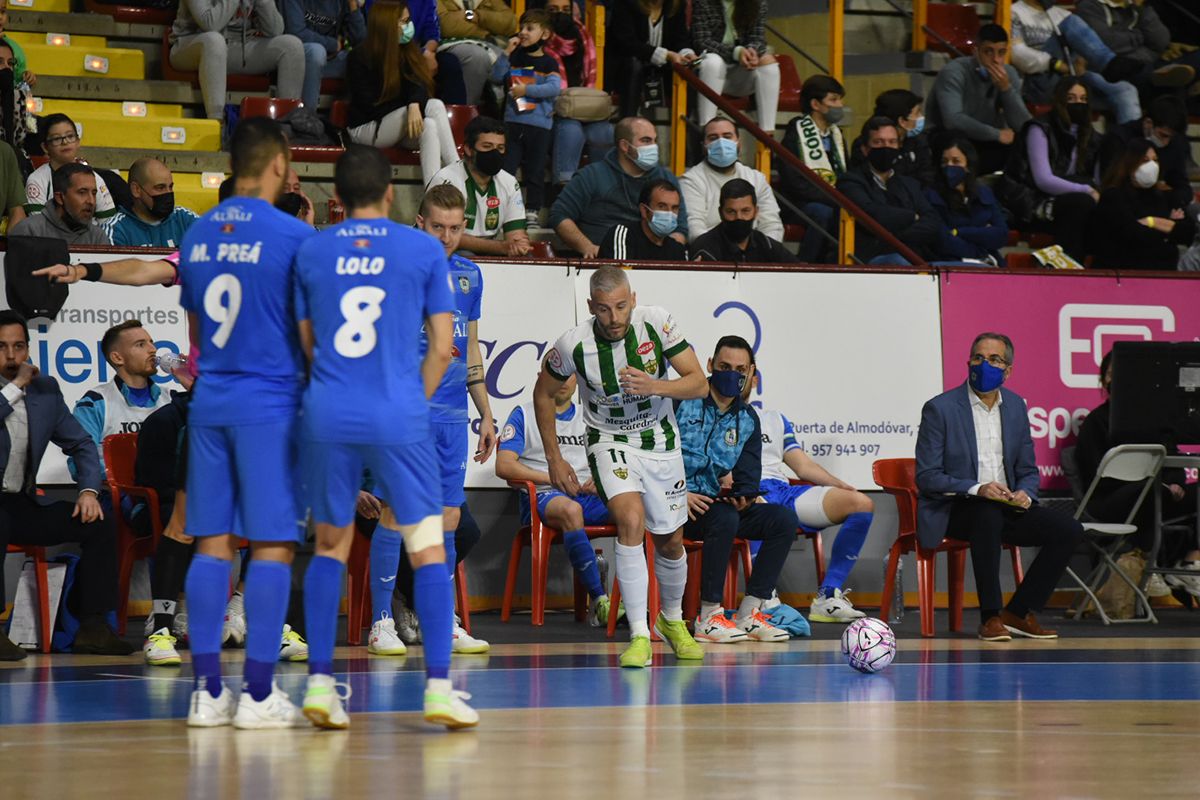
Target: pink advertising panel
[[1061, 327]]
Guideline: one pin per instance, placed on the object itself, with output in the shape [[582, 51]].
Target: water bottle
[[602, 565], [169, 361], [897, 610]]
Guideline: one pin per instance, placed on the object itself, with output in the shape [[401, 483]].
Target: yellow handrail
[[1004, 15], [518, 7], [837, 37], [919, 20], [679, 93], [596, 24]]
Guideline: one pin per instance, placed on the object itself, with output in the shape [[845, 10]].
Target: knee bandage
[[425, 533]]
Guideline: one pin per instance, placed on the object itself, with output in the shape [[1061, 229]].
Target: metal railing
[[850, 213]]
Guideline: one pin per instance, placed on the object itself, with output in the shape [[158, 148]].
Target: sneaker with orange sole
[[719, 629]]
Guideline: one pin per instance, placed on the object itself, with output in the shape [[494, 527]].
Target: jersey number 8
[[360, 308]]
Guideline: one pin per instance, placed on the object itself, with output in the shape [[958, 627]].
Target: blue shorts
[[402, 472], [242, 478], [450, 439], [594, 510], [782, 493]]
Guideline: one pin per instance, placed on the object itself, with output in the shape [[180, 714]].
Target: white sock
[[749, 605], [708, 609], [635, 587], [672, 578], [439, 685], [766, 96]]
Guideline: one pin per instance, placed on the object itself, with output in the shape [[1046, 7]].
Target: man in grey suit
[[33, 414], [979, 483]]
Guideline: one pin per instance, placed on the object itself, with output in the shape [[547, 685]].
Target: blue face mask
[[985, 378], [663, 223], [722, 153], [647, 156], [954, 174], [727, 382], [919, 127], [983, 73], [407, 32]]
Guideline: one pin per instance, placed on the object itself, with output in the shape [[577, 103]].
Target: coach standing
[[979, 481]]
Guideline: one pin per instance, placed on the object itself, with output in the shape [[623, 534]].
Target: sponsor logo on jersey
[[455, 352], [651, 367], [227, 227], [645, 347], [362, 243], [679, 485], [555, 361], [493, 202], [731, 437], [621, 473], [507, 433], [464, 283]]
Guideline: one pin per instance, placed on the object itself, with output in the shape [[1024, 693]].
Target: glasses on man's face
[[995, 361], [66, 138]]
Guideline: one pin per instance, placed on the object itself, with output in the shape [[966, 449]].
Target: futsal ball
[[868, 644]]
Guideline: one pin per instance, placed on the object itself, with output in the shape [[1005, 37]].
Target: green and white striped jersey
[[645, 423]]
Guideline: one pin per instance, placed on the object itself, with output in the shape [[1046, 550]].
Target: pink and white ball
[[868, 644]]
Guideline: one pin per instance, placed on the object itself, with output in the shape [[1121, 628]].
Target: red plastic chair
[[134, 14], [957, 24], [538, 537], [273, 107], [542, 250], [41, 573], [358, 591], [120, 455], [814, 537], [789, 84], [460, 117], [897, 477]]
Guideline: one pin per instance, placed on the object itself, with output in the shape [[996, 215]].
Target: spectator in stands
[[12, 190], [643, 38], [533, 85], [240, 37], [16, 123], [571, 45], [34, 414], [293, 201], [1136, 224], [895, 201], [154, 220], [495, 215], [1132, 29], [735, 59], [69, 216], [980, 96], [1050, 42], [1166, 127], [974, 225], [1049, 184], [916, 154], [391, 96], [815, 138], [328, 29], [702, 183], [974, 446], [735, 238], [605, 193], [476, 32], [650, 240], [20, 64], [443, 65], [60, 142], [721, 440]]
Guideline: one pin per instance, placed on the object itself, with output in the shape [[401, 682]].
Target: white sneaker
[[532, 219], [772, 602], [273, 711], [719, 629], [466, 644], [383, 640], [323, 702], [408, 627], [835, 608], [1189, 583], [159, 649], [292, 646], [759, 628], [1156, 587], [445, 706], [179, 628], [206, 711], [233, 632]]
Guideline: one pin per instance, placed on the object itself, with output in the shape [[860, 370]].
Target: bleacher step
[[37, 38], [90, 24], [56, 105], [119, 158], [113, 130], [97, 88], [69, 61], [57, 6]]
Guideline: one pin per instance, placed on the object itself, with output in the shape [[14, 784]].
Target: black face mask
[[290, 203], [161, 205], [70, 221], [489, 162], [533, 48], [1079, 113], [737, 230], [562, 24], [882, 159]]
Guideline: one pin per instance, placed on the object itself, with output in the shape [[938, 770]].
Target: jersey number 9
[[221, 311]]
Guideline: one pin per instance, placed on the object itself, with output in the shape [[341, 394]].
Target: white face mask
[[1146, 175]]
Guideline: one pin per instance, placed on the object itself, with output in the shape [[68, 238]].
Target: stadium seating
[[134, 14], [41, 573], [814, 538], [957, 24], [120, 453]]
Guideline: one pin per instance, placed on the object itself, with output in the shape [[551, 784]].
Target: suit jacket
[[708, 30], [50, 421], [948, 462], [901, 208]]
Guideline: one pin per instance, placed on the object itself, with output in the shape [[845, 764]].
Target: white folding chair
[[1130, 463]]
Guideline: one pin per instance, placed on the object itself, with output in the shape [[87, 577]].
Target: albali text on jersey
[[645, 423], [522, 436], [717, 442], [449, 402]]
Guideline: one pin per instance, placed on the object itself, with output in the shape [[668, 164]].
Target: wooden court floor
[[952, 718]]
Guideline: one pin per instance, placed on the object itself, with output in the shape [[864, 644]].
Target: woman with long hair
[[391, 91], [736, 58], [644, 37], [976, 227], [1135, 225]]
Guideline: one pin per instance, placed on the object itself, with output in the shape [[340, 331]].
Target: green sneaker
[[638, 654], [677, 635], [598, 618]]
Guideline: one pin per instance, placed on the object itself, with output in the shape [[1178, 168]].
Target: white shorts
[[661, 481], [810, 508]]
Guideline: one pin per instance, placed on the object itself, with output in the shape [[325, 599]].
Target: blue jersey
[[367, 286], [235, 268], [449, 402]]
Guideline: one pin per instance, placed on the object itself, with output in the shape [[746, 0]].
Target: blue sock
[[846, 545], [583, 559], [434, 604], [207, 589], [451, 553], [268, 585], [385, 562], [322, 591]]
